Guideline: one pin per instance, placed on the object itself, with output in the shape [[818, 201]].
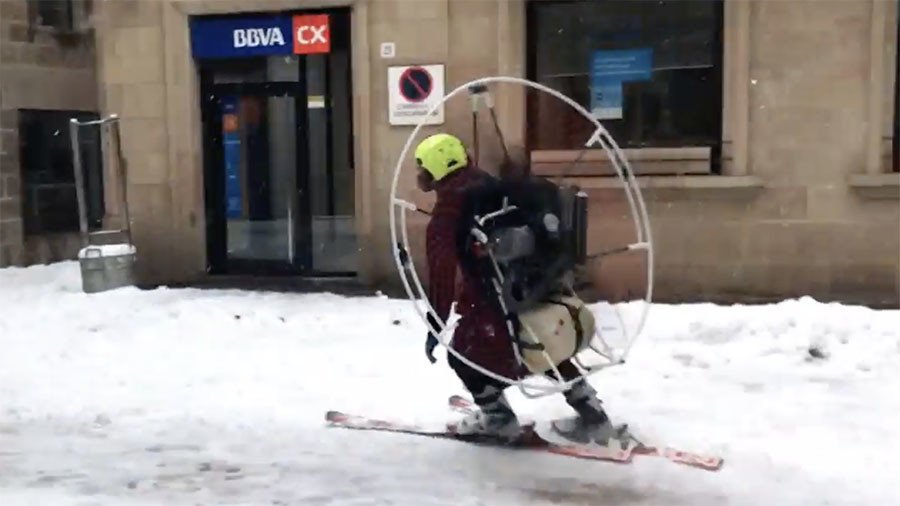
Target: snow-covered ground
[[175, 397]]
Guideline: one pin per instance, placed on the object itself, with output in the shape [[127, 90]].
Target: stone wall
[[132, 72], [38, 70]]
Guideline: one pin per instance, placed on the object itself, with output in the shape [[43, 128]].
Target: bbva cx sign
[[233, 37]]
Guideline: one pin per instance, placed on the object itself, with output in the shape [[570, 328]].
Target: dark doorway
[[278, 161]]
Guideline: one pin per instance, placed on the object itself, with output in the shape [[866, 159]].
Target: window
[[651, 72], [49, 202], [56, 13]]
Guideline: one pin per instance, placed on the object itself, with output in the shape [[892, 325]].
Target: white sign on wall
[[412, 91]]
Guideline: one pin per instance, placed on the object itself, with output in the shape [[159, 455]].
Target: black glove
[[430, 343]]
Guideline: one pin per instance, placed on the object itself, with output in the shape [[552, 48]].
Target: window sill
[[682, 186], [594, 162], [876, 186]]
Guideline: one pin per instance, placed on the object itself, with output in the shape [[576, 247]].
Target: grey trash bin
[[107, 267]]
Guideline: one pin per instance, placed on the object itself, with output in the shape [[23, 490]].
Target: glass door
[[278, 161], [256, 193], [259, 160], [331, 174]]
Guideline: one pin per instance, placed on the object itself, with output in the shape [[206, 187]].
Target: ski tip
[[335, 416], [458, 400], [697, 460]]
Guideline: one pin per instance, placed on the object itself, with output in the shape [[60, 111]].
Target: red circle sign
[[416, 84]]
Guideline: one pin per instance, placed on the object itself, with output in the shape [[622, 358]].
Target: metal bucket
[[105, 269]]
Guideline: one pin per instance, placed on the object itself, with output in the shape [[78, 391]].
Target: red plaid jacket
[[481, 335]]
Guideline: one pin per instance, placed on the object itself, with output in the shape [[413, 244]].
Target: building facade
[[47, 75], [261, 136]]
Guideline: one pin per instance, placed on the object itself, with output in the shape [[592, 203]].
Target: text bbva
[[254, 37]]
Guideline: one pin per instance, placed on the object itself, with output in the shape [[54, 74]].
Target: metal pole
[[112, 119], [79, 182], [123, 172]]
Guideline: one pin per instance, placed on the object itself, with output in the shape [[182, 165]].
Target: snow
[[184, 397], [106, 250]]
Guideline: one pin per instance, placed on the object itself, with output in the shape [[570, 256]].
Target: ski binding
[[631, 447]]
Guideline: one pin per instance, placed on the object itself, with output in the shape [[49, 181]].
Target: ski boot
[[495, 420], [592, 425]]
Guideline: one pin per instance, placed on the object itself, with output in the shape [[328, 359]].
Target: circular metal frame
[[406, 265]]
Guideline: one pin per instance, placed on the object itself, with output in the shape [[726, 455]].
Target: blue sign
[[244, 36], [231, 143], [611, 68]]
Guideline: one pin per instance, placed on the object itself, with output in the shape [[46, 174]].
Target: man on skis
[[482, 335]]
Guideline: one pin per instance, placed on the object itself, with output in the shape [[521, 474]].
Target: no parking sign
[[412, 92]]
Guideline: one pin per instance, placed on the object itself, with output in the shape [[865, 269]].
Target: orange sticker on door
[[229, 122]]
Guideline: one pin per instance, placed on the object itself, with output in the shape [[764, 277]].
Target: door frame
[[213, 153], [214, 176]]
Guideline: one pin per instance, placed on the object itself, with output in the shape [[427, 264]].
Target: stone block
[[462, 70], [82, 58], [604, 235], [151, 240], [133, 13], [10, 208], [48, 56], [49, 88], [11, 230], [709, 243], [877, 282], [18, 32], [14, 10], [779, 204], [398, 11], [10, 187], [9, 53], [815, 242], [12, 255], [9, 138], [839, 202], [9, 119], [473, 33], [9, 160], [147, 167], [150, 207], [770, 204], [182, 136], [864, 243], [145, 100], [793, 280], [786, 31], [133, 55], [28, 53], [151, 204], [773, 243], [424, 41], [142, 135], [620, 278]]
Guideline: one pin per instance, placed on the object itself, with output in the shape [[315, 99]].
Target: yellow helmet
[[441, 154]]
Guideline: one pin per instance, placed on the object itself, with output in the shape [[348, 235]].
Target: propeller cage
[[507, 245]]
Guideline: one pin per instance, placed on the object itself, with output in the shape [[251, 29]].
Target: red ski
[[707, 462], [529, 440]]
